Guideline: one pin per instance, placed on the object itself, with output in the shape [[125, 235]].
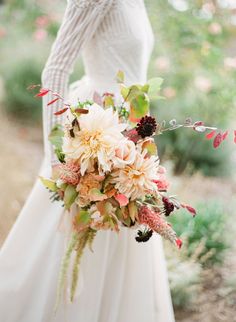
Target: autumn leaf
[[122, 199], [179, 243], [53, 101], [190, 209], [61, 111], [225, 134], [42, 92], [210, 135], [217, 140]]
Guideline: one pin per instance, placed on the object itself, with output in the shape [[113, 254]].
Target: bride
[[122, 281]]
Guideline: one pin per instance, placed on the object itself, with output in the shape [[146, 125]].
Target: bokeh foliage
[[193, 40]]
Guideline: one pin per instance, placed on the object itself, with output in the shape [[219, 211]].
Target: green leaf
[[124, 91], [70, 196], [120, 77], [84, 216], [49, 184], [60, 155], [154, 87], [134, 92], [145, 88], [139, 107], [96, 195], [56, 136], [108, 101], [150, 147]]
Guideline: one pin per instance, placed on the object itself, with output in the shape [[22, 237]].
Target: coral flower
[[136, 180], [69, 172], [155, 222], [96, 140]]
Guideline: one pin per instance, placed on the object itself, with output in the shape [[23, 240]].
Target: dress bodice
[[123, 41], [111, 35]]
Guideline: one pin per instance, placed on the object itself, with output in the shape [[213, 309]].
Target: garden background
[[195, 53]]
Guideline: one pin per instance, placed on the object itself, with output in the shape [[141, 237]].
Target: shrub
[[184, 279], [206, 235], [17, 100]]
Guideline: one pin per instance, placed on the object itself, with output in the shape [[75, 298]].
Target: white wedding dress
[[122, 280]]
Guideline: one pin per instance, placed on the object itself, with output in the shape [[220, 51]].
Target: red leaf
[[53, 101], [43, 92], [210, 135], [61, 111], [81, 110], [225, 134], [234, 136], [190, 209], [179, 243], [218, 140]]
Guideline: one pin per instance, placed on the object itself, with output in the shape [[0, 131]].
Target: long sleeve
[[80, 21]]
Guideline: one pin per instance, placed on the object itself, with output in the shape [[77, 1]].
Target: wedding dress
[[122, 280]]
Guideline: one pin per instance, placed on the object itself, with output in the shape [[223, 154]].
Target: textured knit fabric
[[111, 35]]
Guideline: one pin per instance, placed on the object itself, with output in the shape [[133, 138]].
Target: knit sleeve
[[80, 21]]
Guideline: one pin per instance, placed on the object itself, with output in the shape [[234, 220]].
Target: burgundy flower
[[146, 126]]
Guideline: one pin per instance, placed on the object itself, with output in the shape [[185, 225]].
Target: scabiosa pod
[[146, 126], [168, 206]]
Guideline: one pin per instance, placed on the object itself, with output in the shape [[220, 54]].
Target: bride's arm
[[79, 24]]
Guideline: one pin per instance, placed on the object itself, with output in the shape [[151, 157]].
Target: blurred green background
[[195, 53]]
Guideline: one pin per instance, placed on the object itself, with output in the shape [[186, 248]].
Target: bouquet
[[109, 170]]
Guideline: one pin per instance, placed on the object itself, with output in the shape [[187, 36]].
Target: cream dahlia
[[96, 140], [136, 180]]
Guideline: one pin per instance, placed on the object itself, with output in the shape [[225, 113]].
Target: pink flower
[[161, 182], [169, 92], [162, 64], [40, 34], [155, 222], [230, 63], [203, 84], [42, 21], [3, 32], [215, 28], [70, 173]]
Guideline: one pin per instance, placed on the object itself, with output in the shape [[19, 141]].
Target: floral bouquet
[[109, 169]]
